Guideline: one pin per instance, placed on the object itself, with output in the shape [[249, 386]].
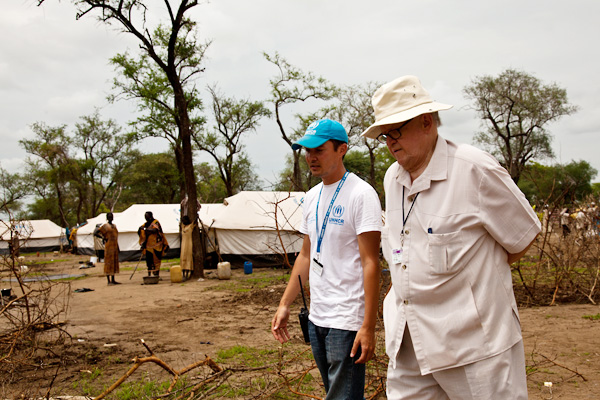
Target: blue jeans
[[343, 379]]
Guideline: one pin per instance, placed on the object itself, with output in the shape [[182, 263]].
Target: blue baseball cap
[[319, 132]]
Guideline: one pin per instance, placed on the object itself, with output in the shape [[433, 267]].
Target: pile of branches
[[30, 320], [206, 379], [564, 269]]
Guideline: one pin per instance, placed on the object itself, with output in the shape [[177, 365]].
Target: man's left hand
[[365, 340]]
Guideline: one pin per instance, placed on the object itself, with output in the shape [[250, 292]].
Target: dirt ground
[[183, 322]]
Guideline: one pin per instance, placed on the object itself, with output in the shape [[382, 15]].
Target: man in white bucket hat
[[455, 221]]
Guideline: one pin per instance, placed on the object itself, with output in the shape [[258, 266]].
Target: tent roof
[[132, 218], [256, 211], [33, 229], [208, 212], [89, 227]]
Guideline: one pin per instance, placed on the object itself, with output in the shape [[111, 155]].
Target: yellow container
[[224, 270], [176, 275]]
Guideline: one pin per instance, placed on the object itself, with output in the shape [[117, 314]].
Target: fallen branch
[[564, 367]]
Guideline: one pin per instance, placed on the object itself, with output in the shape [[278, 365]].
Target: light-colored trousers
[[499, 377]]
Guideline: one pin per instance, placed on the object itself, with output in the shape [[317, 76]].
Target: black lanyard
[[404, 219]]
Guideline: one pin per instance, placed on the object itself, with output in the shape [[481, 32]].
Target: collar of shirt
[[437, 170]]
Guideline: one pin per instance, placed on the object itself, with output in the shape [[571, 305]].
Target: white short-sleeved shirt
[[453, 286], [337, 295]]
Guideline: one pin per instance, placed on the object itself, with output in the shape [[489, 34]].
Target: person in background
[[109, 234], [153, 243], [565, 222], [68, 237], [73, 239], [186, 258], [99, 244], [341, 225], [455, 221]]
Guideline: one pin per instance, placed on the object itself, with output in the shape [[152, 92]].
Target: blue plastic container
[[248, 267]]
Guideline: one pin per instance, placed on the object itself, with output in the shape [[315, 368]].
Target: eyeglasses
[[394, 134]]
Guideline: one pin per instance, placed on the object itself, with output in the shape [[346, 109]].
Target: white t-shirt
[[337, 295]]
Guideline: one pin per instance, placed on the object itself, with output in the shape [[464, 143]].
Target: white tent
[[207, 214], [127, 223], [130, 220], [34, 235], [249, 222], [243, 224]]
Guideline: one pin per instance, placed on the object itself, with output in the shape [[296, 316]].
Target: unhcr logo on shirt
[[338, 212]]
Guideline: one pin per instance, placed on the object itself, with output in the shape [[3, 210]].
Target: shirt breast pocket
[[445, 252]]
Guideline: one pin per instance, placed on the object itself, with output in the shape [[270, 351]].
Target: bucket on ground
[[176, 274], [151, 280], [224, 270], [248, 267]]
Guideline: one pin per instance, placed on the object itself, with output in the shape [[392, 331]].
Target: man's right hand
[[279, 324]]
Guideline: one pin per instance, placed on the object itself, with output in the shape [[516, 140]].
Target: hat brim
[[375, 130], [309, 142]]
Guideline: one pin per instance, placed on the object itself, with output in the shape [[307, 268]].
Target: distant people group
[[151, 238], [584, 221]]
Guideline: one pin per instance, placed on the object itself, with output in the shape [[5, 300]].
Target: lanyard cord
[[337, 191], [411, 207]]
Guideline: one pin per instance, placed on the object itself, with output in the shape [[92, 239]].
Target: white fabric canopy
[[249, 223], [34, 235], [244, 224]]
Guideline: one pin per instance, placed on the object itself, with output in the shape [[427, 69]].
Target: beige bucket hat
[[400, 100]]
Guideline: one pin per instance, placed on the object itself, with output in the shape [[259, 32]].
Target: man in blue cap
[[340, 254]]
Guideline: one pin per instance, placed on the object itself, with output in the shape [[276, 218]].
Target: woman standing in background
[[109, 233]]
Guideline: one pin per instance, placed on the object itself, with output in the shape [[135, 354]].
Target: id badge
[[397, 256], [316, 266]]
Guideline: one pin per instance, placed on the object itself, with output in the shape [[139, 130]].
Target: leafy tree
[[558, 184], [355, 112], [74, 176], [150, 179], [143, 80], [54, 165], [578, 177], [290, 86], [210, 185], [516, 108], [12, 192], [174, 49], [105, 153], [596, 189], [233, 120], [540, 183]]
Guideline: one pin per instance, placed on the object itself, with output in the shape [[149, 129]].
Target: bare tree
[[233, 120], [289, 86], [355, 112]]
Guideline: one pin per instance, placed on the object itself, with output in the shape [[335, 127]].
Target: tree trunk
[[185, 134], [296, 173]]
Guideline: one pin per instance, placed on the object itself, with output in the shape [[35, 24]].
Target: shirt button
[[403, 266], [405, 301], [407, 232]]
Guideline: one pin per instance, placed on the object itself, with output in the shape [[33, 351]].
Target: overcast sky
[[55, 69]]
